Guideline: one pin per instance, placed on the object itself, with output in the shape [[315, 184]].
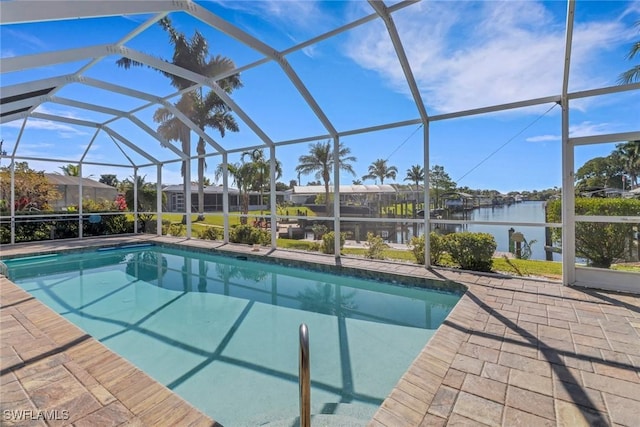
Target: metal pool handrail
[[304, 378]]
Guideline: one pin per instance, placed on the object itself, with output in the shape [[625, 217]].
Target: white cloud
[[29, 39], [63, 130], [544, 138], [466, 55], [589, 128], [7, 53], [60, 112], [585, 128], [294, 13]]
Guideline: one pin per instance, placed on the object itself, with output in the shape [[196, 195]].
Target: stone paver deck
[[514, 351], [52, 373]]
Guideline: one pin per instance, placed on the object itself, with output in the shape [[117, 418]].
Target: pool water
[[223, 332]]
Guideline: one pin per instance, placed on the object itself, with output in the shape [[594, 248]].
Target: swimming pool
[[223, 332]]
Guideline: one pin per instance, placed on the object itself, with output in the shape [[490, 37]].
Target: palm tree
[[243, 175], [632, 75], [205, 110], [321, 160], [415, 174], [379, 169], [262, 168], [70, 170], [629, 154], [147, 194]]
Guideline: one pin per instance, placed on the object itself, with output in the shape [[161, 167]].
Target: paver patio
[[514, 351]]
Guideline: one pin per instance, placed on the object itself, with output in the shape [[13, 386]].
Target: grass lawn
[[218, 219], [515, 267], [528, 267]]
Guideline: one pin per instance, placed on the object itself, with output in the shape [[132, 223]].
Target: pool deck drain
[[514, 351]]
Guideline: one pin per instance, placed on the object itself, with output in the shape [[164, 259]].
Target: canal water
[[518, 212]]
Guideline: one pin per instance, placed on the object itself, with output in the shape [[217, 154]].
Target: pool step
[[341, 415], [321, 420]]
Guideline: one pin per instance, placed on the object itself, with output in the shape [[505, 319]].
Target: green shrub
[[437, 245], [328, 246], [117, 224], [416, 245], [210, 233], [600, 243], [304, 245], [174, 229], [375, 246], [472, 251], [166, 224], [249, 235], [5, 234], [319, 230]]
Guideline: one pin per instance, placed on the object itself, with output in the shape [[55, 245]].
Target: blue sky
[[463, 54]]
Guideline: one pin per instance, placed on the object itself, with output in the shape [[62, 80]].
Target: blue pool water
[[223, 332]]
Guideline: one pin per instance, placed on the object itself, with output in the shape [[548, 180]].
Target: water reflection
[[326, 298], [147, 266], [228, 271]]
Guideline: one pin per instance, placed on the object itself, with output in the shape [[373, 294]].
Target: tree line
[[620, 169]]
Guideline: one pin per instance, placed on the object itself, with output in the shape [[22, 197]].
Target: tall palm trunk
[[325, 177], [185, 139], [201, 166]]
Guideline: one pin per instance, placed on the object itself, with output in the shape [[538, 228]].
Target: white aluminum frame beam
[[18, 12], [604, 91], [35, 85], [285, 52], [15, 116], [86, 106], [69, 120], [192, 126], [157, 136], [133, 164], [100, 84], [270, 52], [384, 14], [95, 135], [605, 138], [19, 138], [130, 144], [72, 161], [568, 191], [21, 104], [25, 62], [197, 78]]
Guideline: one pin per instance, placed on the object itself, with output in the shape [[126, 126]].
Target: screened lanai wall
[[67, 80]]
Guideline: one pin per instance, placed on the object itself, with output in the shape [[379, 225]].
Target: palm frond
[[635, 49], [630, 76], [127, 63]]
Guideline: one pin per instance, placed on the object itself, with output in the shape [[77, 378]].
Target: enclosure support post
[[568, 191], [159, 200], [427, 201], [225, 197], [80, 198], [135, 199], [187, 196], [336, 195], [272, 200], [13, 201]]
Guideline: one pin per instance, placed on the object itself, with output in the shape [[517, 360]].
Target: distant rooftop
[[344, 189], [58, 179]]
